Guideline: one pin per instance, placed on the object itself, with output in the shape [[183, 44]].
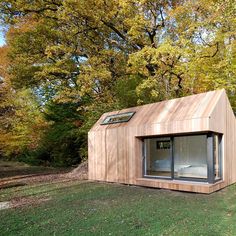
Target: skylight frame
[[108, 119]]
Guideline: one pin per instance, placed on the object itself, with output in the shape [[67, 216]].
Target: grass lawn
[[91, 208]]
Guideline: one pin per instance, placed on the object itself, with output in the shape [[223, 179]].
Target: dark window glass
[[118, 118]]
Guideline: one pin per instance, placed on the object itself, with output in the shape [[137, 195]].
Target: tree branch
[[111, 26], [214, 54], [136, 46]]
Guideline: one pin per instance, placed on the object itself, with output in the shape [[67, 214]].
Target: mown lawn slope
[[90, 208]]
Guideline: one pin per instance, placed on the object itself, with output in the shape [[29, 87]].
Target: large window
[[158, 157], [217, 162], [192, 157], [117, 118]]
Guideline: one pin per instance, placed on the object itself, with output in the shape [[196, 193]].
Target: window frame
[[115, 115], [220, 157], [210, 159]]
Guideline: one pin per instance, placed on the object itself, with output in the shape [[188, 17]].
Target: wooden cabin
[[186, 144]]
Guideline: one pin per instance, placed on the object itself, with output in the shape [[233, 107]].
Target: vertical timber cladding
[[230, 162], [123, 155], [222, 120], [111, 154], [97, 153], [91, 162], [115, 150]]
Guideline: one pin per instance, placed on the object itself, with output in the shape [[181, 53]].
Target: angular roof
[[185, 108]]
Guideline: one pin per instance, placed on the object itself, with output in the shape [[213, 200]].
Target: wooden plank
[[112, 147], [91, 170], [132, 158], [230, 145], [175, 185], [99, 156], [122, 155]]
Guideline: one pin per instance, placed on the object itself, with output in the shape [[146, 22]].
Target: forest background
[[65, 62]]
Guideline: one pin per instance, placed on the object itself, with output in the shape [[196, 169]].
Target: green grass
[[90, 208]]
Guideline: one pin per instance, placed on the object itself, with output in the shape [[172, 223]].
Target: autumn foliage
[[67, 62]]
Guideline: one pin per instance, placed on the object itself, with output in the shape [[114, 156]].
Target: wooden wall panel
[[96, 158], [222, 120], [138, 159], [91, 156], [132, 158], [122, 155], [99, 151], [234, 152], [230, 145], [111, 154], [218, 115], [175, 127]]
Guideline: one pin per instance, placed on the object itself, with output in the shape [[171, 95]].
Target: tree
[[104, 55], [164, 44], [21, 121]]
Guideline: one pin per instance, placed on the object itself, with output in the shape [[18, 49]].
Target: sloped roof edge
[[184, 108]]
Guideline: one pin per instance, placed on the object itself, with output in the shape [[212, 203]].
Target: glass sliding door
[[190, 157], [158, 157], [217, 156]]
